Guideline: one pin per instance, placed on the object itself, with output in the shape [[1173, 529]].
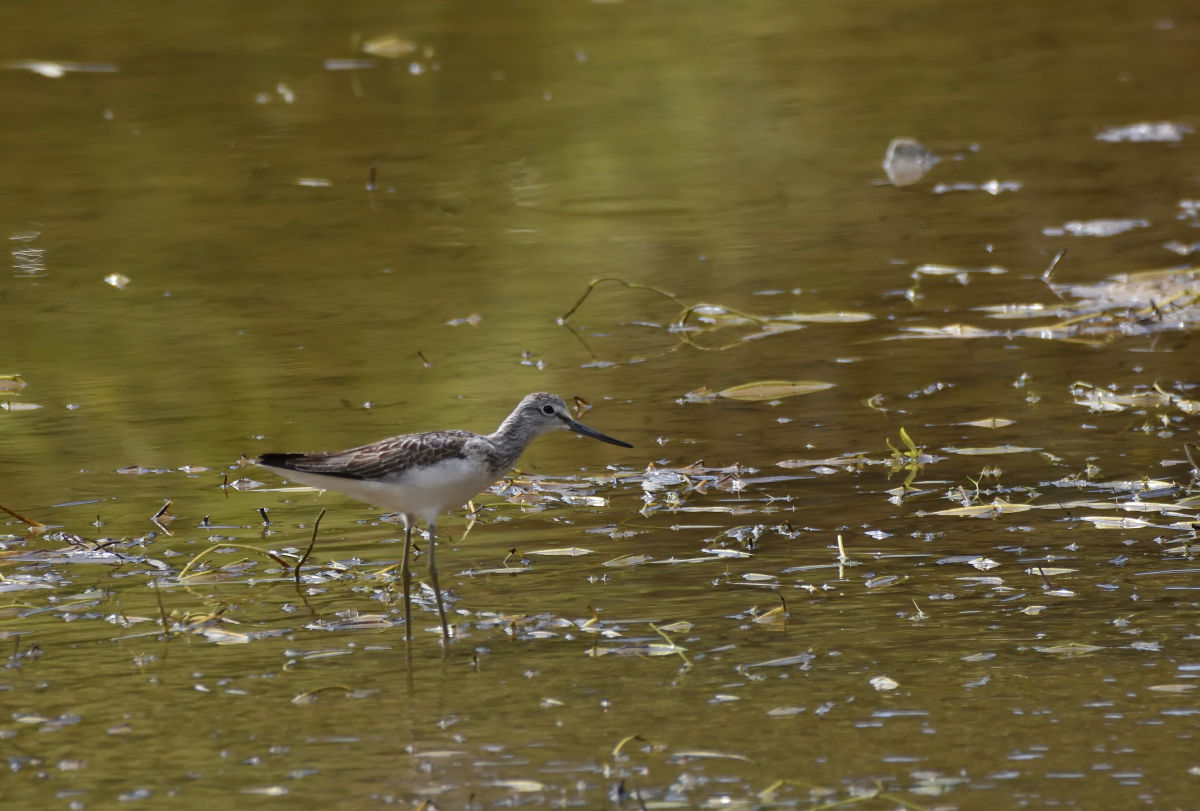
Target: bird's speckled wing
[[386, 458]]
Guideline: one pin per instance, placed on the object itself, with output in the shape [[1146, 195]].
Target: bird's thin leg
[[406, 578], [437, 592]]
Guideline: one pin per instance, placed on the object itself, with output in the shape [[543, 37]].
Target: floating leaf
[[776, 616], [1161, 131], [389, 46], [519, 785], [471, 572], [571, 551], [1096, 228], [707, 754], [1070, 649], [56, 70], [772, 390], [882, 683], [359, 622], [995, 450], [880, 582], [997, 507], [1104, 522], [835, 462], [628, 560], [825, 318], [677, 627], [994, 422], [946, 270], [1146, 646], [798, 659]]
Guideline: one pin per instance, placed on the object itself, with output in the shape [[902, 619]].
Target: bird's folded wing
[[383, 459]]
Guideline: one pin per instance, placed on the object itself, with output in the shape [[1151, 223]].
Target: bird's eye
[[547, 409]]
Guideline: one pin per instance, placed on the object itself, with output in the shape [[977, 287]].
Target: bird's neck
[[510, 441]]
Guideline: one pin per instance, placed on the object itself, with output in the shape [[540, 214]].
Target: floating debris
[[1160, 132], [11, 406], [388, 46], [28, 261], [572, 551], [1069, 649], [1096, 228], [992, 187], [961, 274], [56, 70], [995, 450], [994, 422], [755, 392], [349, 64], [907, 161], [998, 507]]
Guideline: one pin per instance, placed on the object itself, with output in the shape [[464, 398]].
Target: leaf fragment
[[772, 390]]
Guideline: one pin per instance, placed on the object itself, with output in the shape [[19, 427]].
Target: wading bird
[[421, 476]]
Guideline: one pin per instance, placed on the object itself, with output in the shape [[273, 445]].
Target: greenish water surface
[[200, 270]]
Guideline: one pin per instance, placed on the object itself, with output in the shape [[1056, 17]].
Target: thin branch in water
[[1042, 572], [215, 547], [27, 521], [162, 611], [311, 544], [1194, 459], [679, 325]]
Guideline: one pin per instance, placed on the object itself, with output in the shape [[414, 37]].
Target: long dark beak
[[580, 428]]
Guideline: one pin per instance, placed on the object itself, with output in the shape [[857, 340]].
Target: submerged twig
[[27, 521], [310, 694], [226, 545], [162, 612], [311, 544], [1046, 276], [1188, 447], [1042, 572], [681, 321], [616, 752]]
